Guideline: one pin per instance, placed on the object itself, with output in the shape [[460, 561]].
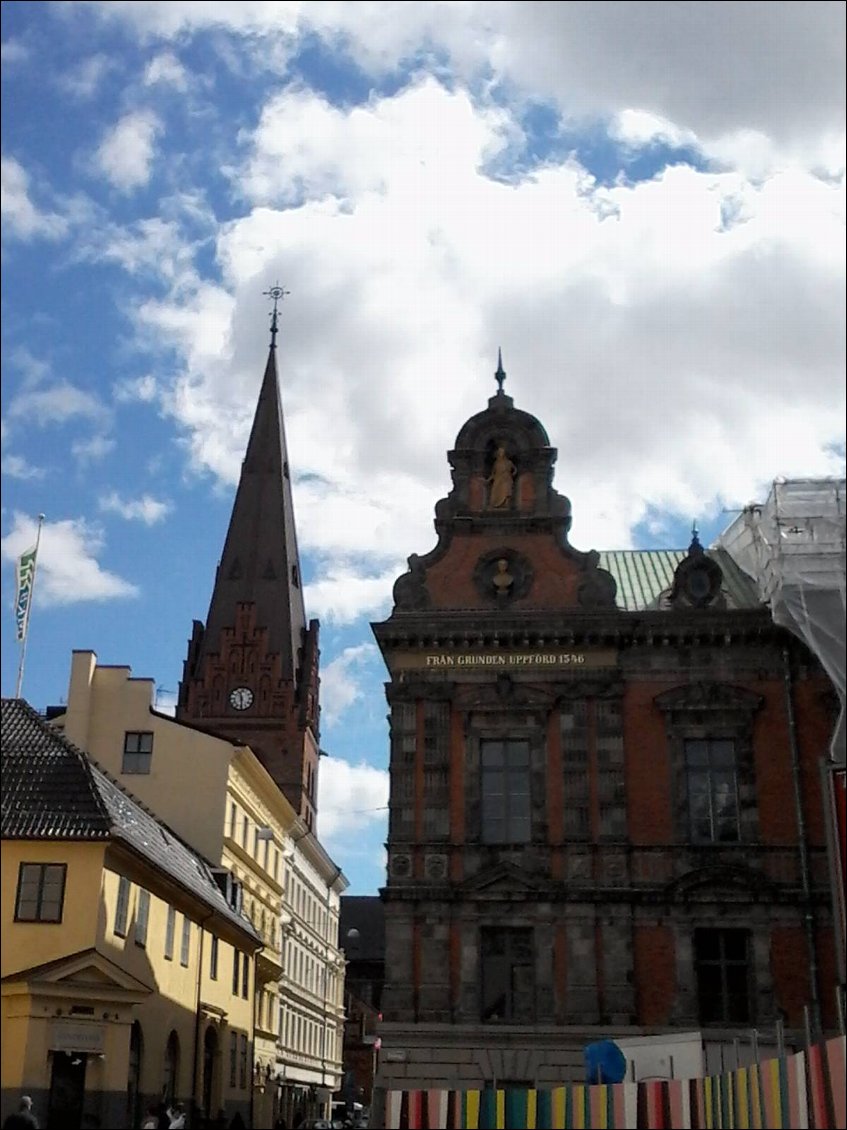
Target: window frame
[[142, 918], [142, 766], [727, 970], [711, 771], [120, 927], [185, 943], [213, 958], [506, 776], [170, 933], [43, 869]]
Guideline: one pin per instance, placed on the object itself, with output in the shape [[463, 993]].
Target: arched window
[[170, 1085], [133, 1087]]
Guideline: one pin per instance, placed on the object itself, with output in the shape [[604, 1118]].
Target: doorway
[[67, 1091], [210, 1055]]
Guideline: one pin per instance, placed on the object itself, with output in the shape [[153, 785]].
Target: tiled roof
[[48, 787], [643, 575], [52, 791]]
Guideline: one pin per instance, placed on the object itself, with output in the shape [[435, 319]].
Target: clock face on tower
[[241, 698]]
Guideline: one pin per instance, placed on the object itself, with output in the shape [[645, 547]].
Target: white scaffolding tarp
[[793, 546]]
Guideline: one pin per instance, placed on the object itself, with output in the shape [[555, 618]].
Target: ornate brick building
[[605, 812]]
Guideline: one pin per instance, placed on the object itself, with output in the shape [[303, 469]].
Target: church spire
[[251, 672]]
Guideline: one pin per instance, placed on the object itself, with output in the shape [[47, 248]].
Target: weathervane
[[277, 293]]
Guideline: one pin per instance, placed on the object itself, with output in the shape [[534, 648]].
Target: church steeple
[[252, 672]]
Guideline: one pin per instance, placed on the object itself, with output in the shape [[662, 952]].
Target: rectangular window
[[213, 958], [505, 791], [138, 752], [233, 816], [710, 768], [236, 966], [242, 1073], [244, 825], [233, 1059], [573, 722], [722, 965], [170, 931], [403, 747], [122, 907], [41, 892], [185, 948], [142, 917], [508, 975], [245, 977]]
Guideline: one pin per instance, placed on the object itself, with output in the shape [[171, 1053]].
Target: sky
[[642, 204]]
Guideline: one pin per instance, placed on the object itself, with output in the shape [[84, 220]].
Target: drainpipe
[[194, 1103], [802, 852]]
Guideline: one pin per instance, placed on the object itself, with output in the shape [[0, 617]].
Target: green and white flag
[[23, 599]]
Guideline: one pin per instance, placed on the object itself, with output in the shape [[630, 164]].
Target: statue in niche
[[502, 579], [501, 480]]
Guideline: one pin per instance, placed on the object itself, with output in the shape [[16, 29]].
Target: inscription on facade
[[504, 660]]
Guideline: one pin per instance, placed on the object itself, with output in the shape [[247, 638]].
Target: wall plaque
[[67, 1036], [498, 660]]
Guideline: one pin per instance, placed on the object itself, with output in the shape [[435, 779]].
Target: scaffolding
[[793, 546]]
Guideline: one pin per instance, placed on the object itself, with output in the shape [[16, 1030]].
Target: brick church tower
[[251, 674], [605, 813]]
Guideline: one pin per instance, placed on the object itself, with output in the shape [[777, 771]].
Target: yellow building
[[127, 973], [221, 800]]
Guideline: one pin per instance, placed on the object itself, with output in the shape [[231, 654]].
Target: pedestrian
[[151, 1118], [177, 1117], [23, 1118]]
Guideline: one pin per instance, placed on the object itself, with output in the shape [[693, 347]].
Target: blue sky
[[642, 203]]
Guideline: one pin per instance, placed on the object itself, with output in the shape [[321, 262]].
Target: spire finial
[[695, 546], [500, 375], [277, 293]]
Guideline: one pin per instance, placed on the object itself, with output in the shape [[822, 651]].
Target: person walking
[[23, 1118]]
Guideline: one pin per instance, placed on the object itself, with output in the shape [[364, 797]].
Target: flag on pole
[[25, 577]]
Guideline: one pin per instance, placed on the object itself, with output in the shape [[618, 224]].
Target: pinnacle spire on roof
[[500, 374], [695, 546]]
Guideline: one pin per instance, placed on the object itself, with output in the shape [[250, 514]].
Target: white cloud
[[340, 686], [21, 218], [131, 390], [15, 466], [125, 155], [351, 798], [340, 593], [667, 332], [708, 68], [84, 80], [166, 70], [12, 51], [56, 404], [92, 450], [68, 569], [144, 509]]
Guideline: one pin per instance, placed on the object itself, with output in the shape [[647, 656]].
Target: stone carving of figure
[[502, 479], [502, 579]]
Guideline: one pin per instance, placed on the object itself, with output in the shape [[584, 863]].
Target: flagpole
[[29, 609]]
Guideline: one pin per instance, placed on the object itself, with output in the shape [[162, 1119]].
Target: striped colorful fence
[[803, 1091]]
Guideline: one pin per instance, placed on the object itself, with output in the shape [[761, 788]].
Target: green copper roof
[[642, 576]]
